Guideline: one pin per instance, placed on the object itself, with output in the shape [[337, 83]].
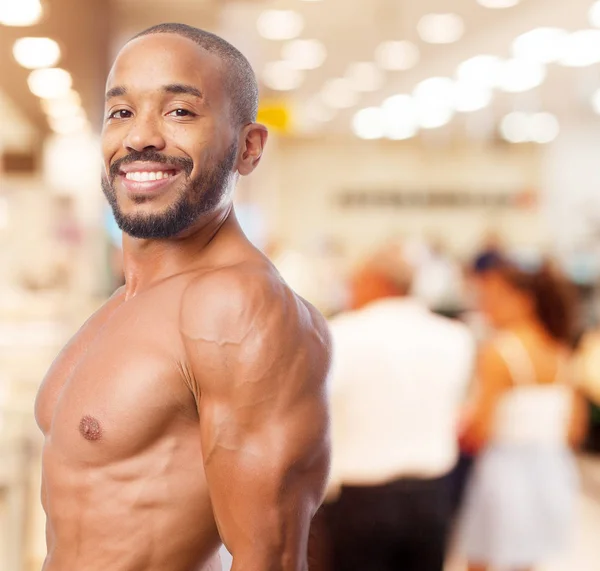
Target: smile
[[149, 182], [146, 176]]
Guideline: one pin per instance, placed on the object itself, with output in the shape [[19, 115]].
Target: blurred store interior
[[441, 124]]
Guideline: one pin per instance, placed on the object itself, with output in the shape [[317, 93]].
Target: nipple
[[90, 428]]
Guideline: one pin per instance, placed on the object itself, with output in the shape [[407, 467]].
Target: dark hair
[[239, 78], [553, 294]]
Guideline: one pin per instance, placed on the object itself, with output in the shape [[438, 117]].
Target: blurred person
[[492, 243], [398, 380], [438, 280], [519, 504], [588, 365], [190, 409], [587, 360]]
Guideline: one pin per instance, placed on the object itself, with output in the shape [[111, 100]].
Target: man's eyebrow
[[118, 91], [174, 88], [180, 88]]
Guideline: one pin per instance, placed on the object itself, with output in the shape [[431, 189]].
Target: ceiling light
[[20, 12], [368, 123], [304, 54], [398, 105], [580, 49], [518, 76], [401, 131], [441, 28], [365, 76], [435, 92], [400, 117], [480, 70], [542, 45], [281, 76], [543, 128], [596, 102], [339, 93], [434, 100], [469, 97], [68, 125], [49, 83], [498, 4], [434, 118], [397, 56], [594, 14], [61, 109], [62, 106], [34, 53], [280, 24], [64, 111], [514, 127]]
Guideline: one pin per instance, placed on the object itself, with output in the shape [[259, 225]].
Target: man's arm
[[259, 360]]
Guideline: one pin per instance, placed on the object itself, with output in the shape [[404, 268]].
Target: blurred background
[[450, 126]]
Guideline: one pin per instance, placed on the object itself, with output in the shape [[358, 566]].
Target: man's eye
[[120, 114], [181, 113]]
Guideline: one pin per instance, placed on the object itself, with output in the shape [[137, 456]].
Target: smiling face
[[169, 143]]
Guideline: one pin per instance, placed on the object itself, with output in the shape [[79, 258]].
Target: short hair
[[239, 78]]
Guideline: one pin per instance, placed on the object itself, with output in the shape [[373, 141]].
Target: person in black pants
[[398, 381], [401, 526]]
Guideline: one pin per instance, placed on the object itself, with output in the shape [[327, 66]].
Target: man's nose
[[144, 133]]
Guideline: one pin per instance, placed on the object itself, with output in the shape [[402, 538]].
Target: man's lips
[[144, 166], [148, 181]]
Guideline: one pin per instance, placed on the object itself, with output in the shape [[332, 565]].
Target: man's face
[[169, 146]]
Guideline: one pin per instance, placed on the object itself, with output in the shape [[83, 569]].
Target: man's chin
[[155, 225]]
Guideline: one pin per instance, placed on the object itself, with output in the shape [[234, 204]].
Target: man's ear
[[253, 141]]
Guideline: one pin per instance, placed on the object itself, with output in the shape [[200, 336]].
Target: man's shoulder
[[246, 316], [241, 295], [452, 329], [234, 289]]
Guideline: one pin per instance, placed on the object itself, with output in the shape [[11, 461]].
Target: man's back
[[399, 374]]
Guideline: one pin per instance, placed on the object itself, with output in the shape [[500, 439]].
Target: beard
[[199, 196]]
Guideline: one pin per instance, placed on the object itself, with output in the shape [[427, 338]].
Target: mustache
[[151, 156]]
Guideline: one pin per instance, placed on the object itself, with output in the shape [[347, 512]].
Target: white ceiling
[[352, 29]]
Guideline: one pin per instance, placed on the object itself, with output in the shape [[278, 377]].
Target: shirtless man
[[190, 410]]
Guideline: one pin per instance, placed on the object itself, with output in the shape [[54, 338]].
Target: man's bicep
[[260, 377], [266, 464]]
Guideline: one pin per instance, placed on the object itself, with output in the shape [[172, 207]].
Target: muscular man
[[191, 408]]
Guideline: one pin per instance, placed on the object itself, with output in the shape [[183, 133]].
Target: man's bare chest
[[116, 388]]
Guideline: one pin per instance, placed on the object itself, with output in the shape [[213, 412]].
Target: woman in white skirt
[[524, 420]]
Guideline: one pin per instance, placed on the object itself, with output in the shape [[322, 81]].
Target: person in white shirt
[[399, 376]]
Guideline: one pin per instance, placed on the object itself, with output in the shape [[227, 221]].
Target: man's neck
[[146, 262]]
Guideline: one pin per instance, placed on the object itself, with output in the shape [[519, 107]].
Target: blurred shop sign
[[436, 199], [275, 115]]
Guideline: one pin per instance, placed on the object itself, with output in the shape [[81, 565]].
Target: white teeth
[[145, 176]]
